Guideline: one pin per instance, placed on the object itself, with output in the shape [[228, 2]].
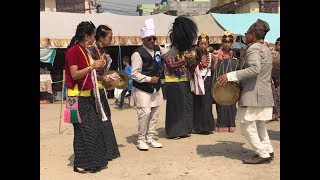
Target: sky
[[124, 7]]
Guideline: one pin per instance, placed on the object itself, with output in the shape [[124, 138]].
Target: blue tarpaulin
[[240, 23]]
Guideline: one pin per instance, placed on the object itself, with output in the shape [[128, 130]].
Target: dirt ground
[[217, 156]]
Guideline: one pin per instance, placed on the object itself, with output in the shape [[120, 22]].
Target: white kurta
[[251, 113], [142, 98]]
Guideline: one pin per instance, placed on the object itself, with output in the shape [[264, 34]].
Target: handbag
[[71, 113]]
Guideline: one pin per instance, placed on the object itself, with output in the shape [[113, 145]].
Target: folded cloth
[[198, 82]]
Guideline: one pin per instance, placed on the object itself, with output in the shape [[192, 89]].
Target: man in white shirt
[[146, 91]]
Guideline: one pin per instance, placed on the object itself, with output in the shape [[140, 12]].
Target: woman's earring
[[101, 44], [86, 44]]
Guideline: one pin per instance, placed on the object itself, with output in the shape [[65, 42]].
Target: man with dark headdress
[[178, 70], [256, 101]]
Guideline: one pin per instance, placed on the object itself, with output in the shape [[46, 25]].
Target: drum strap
[[217, 72], [227, 69]]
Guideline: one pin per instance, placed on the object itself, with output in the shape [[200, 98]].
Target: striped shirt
[[173, 66]]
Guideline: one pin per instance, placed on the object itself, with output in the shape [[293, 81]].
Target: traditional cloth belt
[[75, 92], [100, 85], [175, 79]]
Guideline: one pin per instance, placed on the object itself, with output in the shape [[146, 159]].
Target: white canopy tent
[[206, 23], [57, 28]]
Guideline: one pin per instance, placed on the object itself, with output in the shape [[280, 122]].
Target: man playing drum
[[256, 101]]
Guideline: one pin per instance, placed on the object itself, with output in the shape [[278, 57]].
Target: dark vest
[[149, 68]]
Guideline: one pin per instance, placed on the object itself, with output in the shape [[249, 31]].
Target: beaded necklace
[[226, 55]]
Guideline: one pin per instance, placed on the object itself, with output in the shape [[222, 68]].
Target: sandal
[[76, 169]]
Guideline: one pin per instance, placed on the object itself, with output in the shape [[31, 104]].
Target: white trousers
[[147, 121], [257, 135]]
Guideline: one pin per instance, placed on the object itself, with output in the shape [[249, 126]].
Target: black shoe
[[185, 136], [256, 160], [206, 133], [271, 155]]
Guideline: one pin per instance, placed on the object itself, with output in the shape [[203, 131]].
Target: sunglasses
[[149, 38]]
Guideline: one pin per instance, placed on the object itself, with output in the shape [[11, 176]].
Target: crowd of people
[[188, 82]]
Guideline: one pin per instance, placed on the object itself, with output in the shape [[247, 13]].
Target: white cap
[[148, 29]]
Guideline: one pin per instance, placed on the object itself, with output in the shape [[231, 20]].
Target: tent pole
[[62, 96]]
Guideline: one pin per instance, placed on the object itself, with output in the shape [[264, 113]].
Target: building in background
[[150, 9], [73, 6], [246, 6], [177, 8], [193, 8]]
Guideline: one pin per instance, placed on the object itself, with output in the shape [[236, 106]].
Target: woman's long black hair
[[85, 27], [183, 33]]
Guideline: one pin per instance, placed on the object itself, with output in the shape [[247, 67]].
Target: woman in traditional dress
[[98, 51], [90, 153], [202, 103], [226, 114]]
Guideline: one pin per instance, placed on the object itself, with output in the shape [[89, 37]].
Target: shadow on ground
[[71, 160], [228, 149], [132, 139], [274, 135], [161, 133]]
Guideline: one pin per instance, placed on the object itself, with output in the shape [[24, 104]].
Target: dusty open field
[[216, 157]]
